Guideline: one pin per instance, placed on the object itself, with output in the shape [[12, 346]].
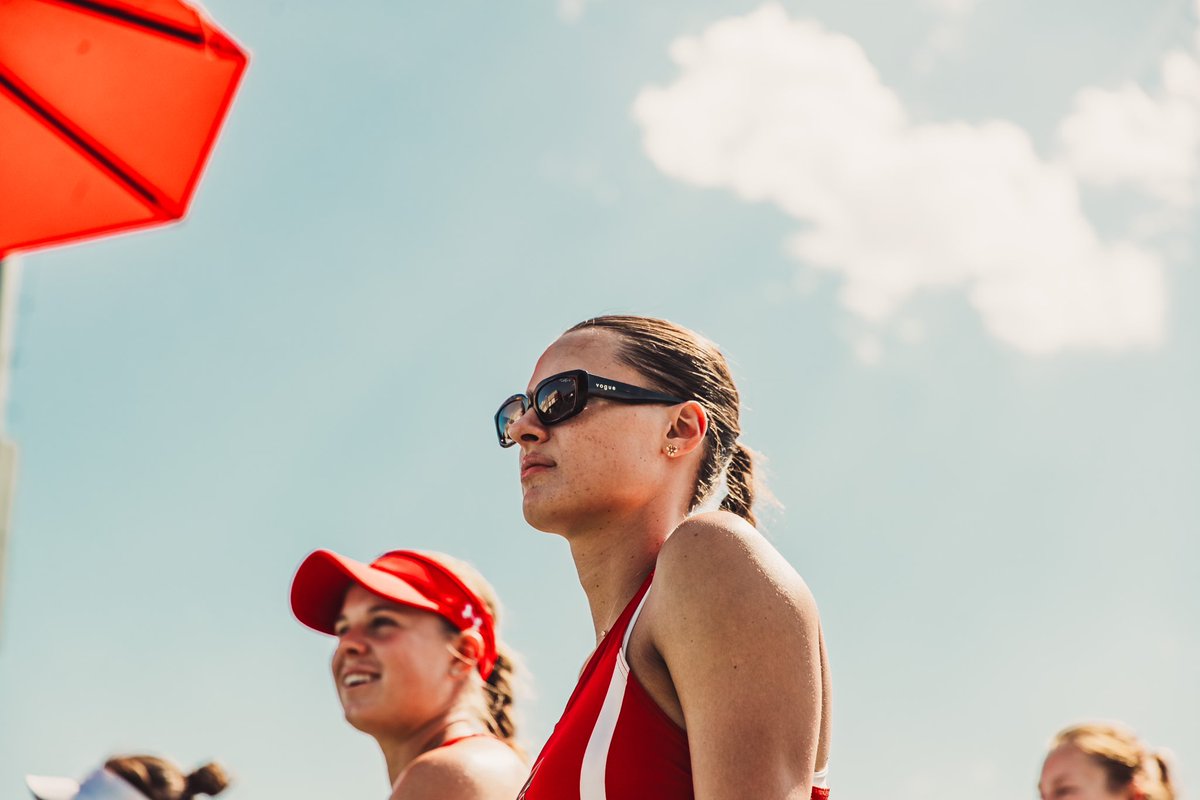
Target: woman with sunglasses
[[419, 667], [709, 677]]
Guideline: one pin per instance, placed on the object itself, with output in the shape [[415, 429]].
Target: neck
[[400, 749], [613, 556]]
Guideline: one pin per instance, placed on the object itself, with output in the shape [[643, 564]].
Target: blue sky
[[948, 245]]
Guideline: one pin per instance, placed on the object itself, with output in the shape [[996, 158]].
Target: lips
[[352, 677], [534, 463], [358, 679]]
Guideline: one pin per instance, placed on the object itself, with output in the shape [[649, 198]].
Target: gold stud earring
[[672, 450]]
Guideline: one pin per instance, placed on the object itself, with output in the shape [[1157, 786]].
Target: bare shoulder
[[738, 634], [716, 554], [475, 769]]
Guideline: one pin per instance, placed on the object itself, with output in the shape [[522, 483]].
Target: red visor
[[401, 576]]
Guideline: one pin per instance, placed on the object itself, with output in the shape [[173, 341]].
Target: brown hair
[[498, 689], [160, 779], [683, 363], [1123, 757]]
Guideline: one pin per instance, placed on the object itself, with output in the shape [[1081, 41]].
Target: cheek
[[615, 436], [418, 663], [608, 469]]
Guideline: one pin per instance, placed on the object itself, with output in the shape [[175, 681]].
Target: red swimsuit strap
[[458, 739]]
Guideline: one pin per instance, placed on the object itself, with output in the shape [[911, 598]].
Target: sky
[[949, 246]]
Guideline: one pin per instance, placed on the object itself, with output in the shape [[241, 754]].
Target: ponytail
[[499, 690], [739, 483], [209, 780]]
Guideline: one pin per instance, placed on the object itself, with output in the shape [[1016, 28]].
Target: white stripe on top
[[595, 758]]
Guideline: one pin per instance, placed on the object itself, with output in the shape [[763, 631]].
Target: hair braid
[[739, 481], [499, 691]]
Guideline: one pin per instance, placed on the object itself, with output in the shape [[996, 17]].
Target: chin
[[542, 517], [362, 721]]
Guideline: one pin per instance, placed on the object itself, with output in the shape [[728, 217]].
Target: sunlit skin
[[405, 679], [728, 644], [1070, 774]]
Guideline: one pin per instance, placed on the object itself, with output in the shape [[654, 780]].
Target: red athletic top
[[613, 741]]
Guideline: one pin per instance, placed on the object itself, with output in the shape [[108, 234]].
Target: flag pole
[[9, 276]]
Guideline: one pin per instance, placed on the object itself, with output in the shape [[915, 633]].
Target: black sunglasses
[[564, 395]]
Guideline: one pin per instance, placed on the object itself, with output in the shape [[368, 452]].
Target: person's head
[[618, 448], [416, 640], [134, 777], [1103, 762], [159, 779]]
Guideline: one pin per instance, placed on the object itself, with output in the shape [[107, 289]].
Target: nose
[[528, 429], [350, 643]]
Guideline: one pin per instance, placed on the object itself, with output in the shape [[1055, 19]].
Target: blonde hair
[[1124, 758], [499, 689]]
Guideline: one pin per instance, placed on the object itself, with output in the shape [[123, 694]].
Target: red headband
[[401, 576]]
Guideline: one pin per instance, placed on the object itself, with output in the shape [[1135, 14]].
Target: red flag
[[108, 112]]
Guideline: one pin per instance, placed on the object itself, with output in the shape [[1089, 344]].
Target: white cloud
[[782, 111], [1128, 136]]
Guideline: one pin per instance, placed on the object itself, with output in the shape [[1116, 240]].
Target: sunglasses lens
[[509, 413], [557, 398]]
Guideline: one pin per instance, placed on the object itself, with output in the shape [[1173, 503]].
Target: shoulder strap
[[637, 612], [458, 739]]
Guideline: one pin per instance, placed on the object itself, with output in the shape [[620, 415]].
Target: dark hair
[[683, 363], [160, 779]]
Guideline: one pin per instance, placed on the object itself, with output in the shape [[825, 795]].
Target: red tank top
[[613, 741]]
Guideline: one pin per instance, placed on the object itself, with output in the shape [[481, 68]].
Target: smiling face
[[604, 461], [1070, 774], [392, 667]]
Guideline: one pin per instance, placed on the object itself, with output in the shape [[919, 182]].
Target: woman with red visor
[[419, 668], [709, 676]]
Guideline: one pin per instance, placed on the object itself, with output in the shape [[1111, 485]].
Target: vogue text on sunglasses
[[564, 395]]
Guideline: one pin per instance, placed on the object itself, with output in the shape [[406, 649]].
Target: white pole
[[9, 277]]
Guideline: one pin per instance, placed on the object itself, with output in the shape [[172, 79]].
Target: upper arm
[[739, 633]]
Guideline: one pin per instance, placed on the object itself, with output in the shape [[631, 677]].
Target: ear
[[689, 423], [468, 648]]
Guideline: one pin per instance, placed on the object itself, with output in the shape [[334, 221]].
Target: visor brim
[[323, 579], [45, 787]]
